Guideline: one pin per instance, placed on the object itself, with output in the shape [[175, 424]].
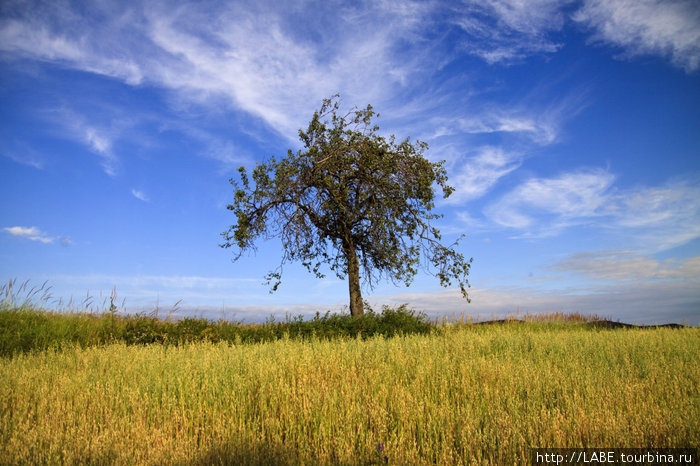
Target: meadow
[[392, 389], [468, 394]]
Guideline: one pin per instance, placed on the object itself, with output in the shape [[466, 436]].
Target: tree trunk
[[356, 307]]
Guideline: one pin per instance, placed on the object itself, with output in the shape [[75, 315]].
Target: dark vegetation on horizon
[[25, 325], [26, 329]]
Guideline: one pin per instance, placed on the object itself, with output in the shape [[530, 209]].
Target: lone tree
[[351, 199]]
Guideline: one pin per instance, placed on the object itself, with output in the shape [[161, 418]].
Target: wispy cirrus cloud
[[514, 132], [280, 74], [255, 57], [650, 219], [544, 206], [96, 137], [99, 142], [211, 146], [140, 195], [30, 233], [21, 153], [55, 32], [251, 57], [534, 119], [503, 31], [478, 174], [660, 217], [670, 29], [507, 122]]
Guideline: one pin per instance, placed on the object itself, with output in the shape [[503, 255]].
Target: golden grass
[[472, 395]]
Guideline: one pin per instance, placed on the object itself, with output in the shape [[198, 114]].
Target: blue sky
[[569, 129]]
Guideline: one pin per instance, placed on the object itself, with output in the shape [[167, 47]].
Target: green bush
[[142, 330]]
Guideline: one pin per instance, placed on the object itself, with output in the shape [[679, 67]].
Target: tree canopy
[[350, 199]]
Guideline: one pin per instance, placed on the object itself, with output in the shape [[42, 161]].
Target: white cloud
[[31, 233], [97, 137], [213, 147], [646, 207], [256, 58], [649, 219], [275, 73], [253, 57], [501, 31], [59, 42], [568, 199], [480, 173], [660, 217], [667, 28], [23, 154], [535, 119], [98, 141], [37, 42], [536, 128], [140, 195], [531, 16]]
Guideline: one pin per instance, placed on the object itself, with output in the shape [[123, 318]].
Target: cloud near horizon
[[635, 302], [627, 266]]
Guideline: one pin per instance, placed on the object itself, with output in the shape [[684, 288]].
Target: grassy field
[[463, 394]]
